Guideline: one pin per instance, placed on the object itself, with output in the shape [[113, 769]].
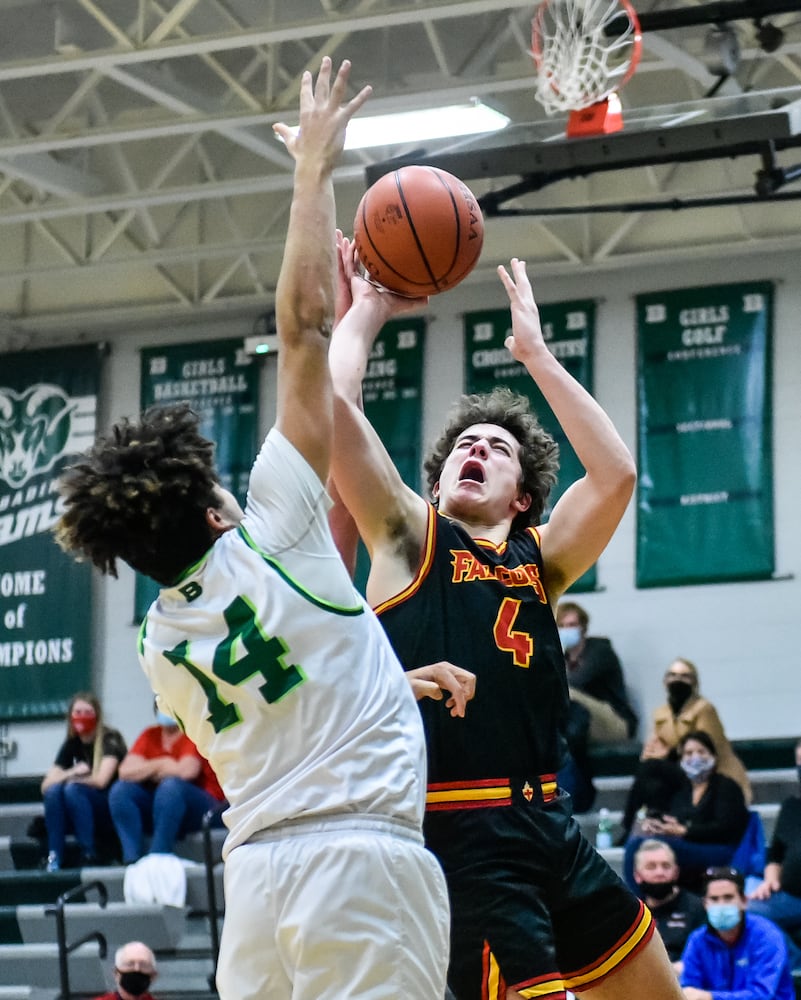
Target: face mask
[[678, 694], [570, 637], [698, 768], [83, 724], [657, 890], [165, 720], [723, 916], [135, 983]]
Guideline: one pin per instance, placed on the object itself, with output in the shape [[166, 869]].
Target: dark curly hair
[[539, 453], [140, 494]]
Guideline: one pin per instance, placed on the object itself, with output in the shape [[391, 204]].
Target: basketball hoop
[[584, 51]]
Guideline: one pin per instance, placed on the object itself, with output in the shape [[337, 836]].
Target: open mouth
[[472, 471]]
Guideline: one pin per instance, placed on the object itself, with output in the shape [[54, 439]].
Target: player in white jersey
[[260, 646]]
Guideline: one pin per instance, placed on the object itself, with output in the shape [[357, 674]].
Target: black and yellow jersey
[[484, 608]]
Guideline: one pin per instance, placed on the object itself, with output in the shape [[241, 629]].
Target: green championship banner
[[221, 384], [569, 331], [393, 403], [48, 407], [705, 494]]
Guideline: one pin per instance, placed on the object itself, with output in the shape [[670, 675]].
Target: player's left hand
[[693, 993], [526, 337], [433, 680]]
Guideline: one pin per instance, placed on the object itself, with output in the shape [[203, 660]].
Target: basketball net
[[584, 51]]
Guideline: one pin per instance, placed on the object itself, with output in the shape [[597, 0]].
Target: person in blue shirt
[[738, 955]]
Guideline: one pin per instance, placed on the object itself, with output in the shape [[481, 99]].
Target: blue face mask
[[723, 916], [570, 637], [165, 720], [698, 768]]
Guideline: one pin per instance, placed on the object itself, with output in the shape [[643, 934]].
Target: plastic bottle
[[603, 836]]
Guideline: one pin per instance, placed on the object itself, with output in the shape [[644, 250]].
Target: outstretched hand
[[324, 115], [434, 679], [526, 337], [354, 287]]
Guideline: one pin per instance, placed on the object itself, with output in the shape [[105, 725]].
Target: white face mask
[[697, 768], [570, 637]]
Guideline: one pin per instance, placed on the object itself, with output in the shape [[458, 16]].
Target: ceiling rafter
[[169, 107]]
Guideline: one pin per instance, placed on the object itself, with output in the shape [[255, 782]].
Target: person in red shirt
[[134, 971], [165, 789]]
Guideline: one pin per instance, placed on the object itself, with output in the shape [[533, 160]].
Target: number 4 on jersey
[[518, 643]]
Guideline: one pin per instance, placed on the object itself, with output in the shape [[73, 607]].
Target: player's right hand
[[433, 680]]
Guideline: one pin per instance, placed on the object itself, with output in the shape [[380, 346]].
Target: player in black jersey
[[474, 579]]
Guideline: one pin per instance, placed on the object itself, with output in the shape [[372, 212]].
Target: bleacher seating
[[182, 939]]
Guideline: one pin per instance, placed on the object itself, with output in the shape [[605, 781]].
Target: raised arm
[[391, 517], [304, 303], [587, 514]]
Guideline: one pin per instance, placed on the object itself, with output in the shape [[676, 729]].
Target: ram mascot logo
[[34, 429]]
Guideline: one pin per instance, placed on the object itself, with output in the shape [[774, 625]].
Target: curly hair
[[539, 453], [140, 494]]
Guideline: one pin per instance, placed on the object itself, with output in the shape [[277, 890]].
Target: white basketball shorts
[[346, 908]]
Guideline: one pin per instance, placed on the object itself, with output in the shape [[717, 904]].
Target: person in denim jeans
[[165, 788], [76, 787]]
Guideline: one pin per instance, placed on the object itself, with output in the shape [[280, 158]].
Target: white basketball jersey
[[278, 670]]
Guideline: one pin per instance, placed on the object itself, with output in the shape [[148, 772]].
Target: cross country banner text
[[569, 331]]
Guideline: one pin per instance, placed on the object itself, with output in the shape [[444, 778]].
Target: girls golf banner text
[[705, 494]]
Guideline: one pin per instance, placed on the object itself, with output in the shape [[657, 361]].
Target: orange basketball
[[418, 231]]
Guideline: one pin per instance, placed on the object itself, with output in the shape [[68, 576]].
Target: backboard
[[710, 128]]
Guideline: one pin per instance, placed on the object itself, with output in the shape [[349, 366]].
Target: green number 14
[[263, 655]]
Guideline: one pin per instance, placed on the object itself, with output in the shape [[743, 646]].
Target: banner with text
[[705, 494], [393, 394], [393, 402], [221, 384], [569, 331], [48, 408]]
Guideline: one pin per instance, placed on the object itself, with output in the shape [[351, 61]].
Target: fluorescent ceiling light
[[470, 118], [430, 123]]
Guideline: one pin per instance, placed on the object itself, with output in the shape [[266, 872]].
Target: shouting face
[[480, 480]]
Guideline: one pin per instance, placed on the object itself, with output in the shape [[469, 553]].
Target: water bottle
[[603, 836]]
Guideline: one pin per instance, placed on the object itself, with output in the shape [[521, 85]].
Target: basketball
[[418, 231]]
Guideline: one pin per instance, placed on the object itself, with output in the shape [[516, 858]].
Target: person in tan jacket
[[685, 711]]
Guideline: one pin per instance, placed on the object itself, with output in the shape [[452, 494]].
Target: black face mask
[[657, 890], [135, 983], [678, 694]]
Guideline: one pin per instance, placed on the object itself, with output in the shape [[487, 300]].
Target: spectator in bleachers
[[595, 677], [685, 711], [737, 955], [778, 896], [676, 911], [705, 819], [134, 971], [76, 787], [165, 788]]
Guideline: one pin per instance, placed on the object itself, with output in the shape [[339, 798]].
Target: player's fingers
[[457, 708], [506, 280], [284, 133], [428, 689], [356, 102], [339, 85], [322, 86]]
